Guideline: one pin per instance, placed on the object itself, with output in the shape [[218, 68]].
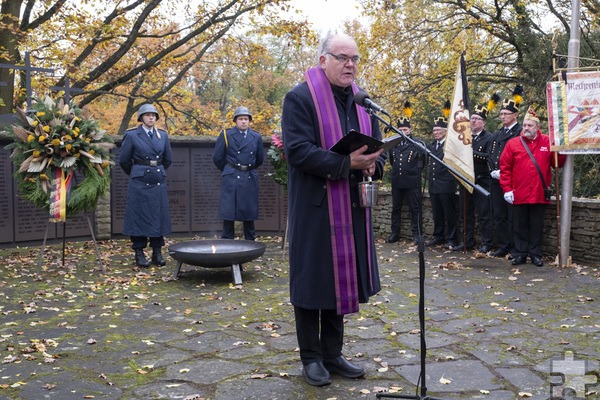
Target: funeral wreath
[[61, 156]]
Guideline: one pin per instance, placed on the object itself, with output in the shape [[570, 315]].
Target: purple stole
[[338, 194]]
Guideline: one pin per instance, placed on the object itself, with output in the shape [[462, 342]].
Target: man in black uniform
[[501, 210], [442, 191], [477, 202], [407, 163]]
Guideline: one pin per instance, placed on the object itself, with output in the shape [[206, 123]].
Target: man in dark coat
[[145, 155], [238, 153], [407, 162], [471, 203], [442, 191], [333, 265], [501, 210]]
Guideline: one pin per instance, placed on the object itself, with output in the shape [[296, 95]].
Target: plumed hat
[[404, 121], [531, 115], [513, 104], [483, 110], [442, 122]]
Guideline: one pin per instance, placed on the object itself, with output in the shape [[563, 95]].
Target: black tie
[[150, 133]]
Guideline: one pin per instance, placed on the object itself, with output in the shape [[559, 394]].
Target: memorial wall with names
[[193, 187], [21, 221]]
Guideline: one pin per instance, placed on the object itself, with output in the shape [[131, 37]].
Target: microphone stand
[[421, 249]]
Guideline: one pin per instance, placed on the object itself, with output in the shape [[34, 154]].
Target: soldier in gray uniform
[[145, 156], [238, 153]]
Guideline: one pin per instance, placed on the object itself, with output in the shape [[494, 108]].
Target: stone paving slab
[[492, 330]]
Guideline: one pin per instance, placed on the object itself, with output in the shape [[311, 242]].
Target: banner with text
[[574, 113]]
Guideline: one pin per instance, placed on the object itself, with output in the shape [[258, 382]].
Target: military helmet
[[241, 111], [146, 109]]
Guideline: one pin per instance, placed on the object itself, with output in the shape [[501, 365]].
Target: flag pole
[[567, 187]]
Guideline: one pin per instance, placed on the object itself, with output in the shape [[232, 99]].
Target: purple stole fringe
[[338, 194]]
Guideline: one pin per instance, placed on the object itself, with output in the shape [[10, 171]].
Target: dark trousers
[[502, 215], [413, 198], [140, 242], [229, 230], [480, 205], [443, 208], [528, 224], [320, 334]]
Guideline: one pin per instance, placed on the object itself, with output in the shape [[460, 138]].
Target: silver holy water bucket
[[368, 193]]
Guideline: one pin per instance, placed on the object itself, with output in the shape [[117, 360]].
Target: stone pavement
[[493, 331]]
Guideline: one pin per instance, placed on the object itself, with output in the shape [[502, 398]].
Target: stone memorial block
[[7, 196], [206, 189], [178, 184]]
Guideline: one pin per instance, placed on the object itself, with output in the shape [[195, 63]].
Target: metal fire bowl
[[216, 253]]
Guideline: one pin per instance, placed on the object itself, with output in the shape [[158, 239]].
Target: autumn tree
[[415, 47], [122, 55]]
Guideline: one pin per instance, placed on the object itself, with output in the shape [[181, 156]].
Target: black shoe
[[342, 367], [461, 247], [537, 261], [511, 256], [500, 253], [393, 238], [518, 260], [316, 374], [140, 259], [485, 248], [157, 258], [434, 242]]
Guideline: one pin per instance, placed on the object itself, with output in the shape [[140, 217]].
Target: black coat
[[147, 207], [440, 178], [497, 142], [309, 167], [480, 155], [239, 188], [407, 162]]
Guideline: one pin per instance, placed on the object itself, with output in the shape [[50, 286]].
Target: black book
[[354, 140]]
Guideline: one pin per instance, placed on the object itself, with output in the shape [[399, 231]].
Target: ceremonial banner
[[458, 152], [574, 113]]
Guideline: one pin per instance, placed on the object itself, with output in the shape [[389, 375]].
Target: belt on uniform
[[152, 163], [241, 167]]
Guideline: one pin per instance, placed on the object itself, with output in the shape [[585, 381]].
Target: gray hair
[[325, 45]]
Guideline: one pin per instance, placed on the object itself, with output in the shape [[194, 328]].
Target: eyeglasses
[[505, 114], [344, 59], [476, 119]]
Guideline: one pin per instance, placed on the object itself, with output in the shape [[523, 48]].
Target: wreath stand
[[64, 231]]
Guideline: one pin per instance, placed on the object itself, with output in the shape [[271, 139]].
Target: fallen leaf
[[445, 381], [259, 376]]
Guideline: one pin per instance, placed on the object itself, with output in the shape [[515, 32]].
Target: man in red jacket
[[525, 189]]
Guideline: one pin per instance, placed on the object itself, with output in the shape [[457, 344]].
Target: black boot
[[157, 258], [140, 259]]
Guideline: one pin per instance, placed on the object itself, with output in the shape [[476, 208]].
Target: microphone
[[362, 99]]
